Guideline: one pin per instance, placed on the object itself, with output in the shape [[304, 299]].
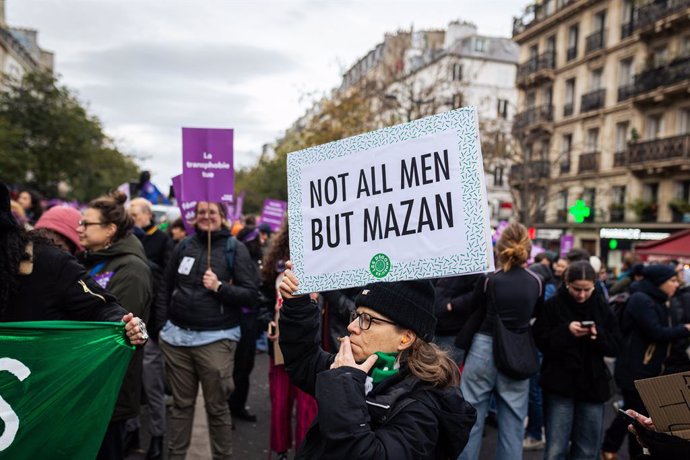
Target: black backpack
[[618, 303]]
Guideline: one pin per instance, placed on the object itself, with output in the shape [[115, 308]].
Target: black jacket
[[401, 418], [574, 367], [648, 332], [679, 361], [124, 265], [456, 290], [158, 248], [60, 289], [190, 305]]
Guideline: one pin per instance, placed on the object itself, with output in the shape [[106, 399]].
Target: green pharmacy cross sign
[[580, 211]]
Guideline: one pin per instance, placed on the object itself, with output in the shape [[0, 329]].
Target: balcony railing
[[678, 70], [539, 169], [627, 29], [537, 12], [669, 148], [568, 109], [647, 15], [626, 92], [620, 158], [546, 60], [593, 100], [595, 41], [589, 162], [532, 116], [571, 53]]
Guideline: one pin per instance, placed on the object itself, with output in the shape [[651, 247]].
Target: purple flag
[[186, 207], [239, 205], [567, 243], [273, 213], [207, 165]]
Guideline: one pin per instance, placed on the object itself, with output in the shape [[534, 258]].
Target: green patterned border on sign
[[478, 257]]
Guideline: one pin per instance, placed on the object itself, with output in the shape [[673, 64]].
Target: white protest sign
[[404, 202]]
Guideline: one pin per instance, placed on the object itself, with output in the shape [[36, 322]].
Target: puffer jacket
[[123, 270], [189, 304], [649, 333], [401, 418]]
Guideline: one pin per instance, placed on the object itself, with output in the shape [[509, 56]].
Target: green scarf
[[384, 367]]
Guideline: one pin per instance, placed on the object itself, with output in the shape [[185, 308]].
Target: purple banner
[[273, 213], [567, 243], [207, 166], [239, 205], [186, 207]]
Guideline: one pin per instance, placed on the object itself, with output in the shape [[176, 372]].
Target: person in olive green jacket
[[116, 260]]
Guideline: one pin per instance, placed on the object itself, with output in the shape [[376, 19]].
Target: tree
[[47, 137]]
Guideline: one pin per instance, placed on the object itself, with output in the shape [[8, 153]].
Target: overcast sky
[[148, 67]]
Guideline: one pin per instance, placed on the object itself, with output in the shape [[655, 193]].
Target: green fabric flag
[[59, 381]]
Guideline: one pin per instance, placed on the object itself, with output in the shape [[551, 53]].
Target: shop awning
[[675, 246]]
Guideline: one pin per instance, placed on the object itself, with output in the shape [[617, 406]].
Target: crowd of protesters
[[409, 369]]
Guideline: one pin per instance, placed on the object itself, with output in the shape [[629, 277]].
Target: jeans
[[573, 428], [535, 409], [447, 343], [479, 380]]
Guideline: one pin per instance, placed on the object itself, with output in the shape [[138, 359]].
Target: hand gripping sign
[[404, 202]]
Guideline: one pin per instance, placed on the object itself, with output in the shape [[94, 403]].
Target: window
[[562, 206], [544, 152], [589, 196], [599, 21], [685, 46], [566, 148], [595, 79], [498, 176], [458, 100], [480, 45], [650, 192], [551, 43], [625, 73], [502, 108], [573, 35], [456, 72], [569, 106], [547, 96], [592, 140], [684, 121], [533, 52], [654, 126], [660, 56], [531, 100], [621, 136], [618, 194]]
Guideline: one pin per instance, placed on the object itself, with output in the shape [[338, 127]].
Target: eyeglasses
[[578, 290], [365, 320], [85, 224]]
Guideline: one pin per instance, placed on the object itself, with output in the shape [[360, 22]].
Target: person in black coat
[[575, 329], [452, 308], [388, 392], [649, 334]]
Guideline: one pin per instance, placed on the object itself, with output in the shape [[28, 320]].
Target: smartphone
[[271, 329], [640, 428], [588, 324]]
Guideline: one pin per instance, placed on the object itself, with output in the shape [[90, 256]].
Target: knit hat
[[410, 304], [7, 220], [265, 228], [658, 274], [63, 220]]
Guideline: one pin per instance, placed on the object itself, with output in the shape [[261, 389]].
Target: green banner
[[58, 384]]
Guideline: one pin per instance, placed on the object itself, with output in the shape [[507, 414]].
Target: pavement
[[251, 440]]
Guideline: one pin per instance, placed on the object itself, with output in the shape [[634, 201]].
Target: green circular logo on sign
[[380, 265]]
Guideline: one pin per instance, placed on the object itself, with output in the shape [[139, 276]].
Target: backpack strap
[[230, 250]]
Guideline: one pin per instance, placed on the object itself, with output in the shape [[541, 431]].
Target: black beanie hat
[[659, 274], [410, 304]]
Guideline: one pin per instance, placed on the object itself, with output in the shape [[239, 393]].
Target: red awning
[[676, 245]]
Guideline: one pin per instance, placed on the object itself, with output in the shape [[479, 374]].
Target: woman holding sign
[[388, 392], [204, 297]]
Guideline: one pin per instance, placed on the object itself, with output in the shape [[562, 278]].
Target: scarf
[[384, 367]]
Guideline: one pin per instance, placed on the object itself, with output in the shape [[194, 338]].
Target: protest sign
[[186, 207], [667, 400], [404, 202], [59, 381], [273, 213], [207, 164]]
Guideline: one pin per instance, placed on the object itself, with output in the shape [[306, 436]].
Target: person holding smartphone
[[575, 330]]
